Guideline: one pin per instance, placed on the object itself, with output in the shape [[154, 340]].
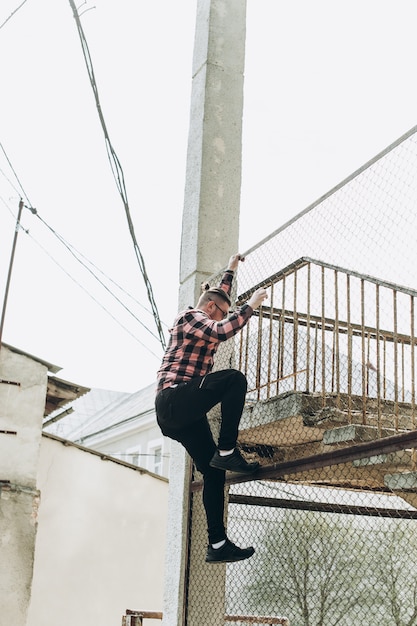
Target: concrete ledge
[[403, 458], [353, 432], [406, 481]]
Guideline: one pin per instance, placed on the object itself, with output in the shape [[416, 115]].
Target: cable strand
[[117, 173]]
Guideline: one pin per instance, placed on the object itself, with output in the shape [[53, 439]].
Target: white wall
[[100, 544]]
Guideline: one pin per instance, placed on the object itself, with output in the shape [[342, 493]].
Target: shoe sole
[[242, 558]]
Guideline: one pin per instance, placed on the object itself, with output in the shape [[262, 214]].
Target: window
[[155, 458], [133, 455]]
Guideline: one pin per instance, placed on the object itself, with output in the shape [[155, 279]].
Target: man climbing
[[187, 389]]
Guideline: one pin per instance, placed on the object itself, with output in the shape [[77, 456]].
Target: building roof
[[59, 392], [102, 409]]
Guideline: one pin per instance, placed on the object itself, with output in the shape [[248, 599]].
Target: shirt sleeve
[[226, 281], [199, 325]]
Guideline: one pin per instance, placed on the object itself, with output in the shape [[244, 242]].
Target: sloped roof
[[59, 392], [101, 409]]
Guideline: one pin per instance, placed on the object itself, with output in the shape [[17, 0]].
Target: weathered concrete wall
[[22, 404], [18, 509], [100, 544], [210, 230]]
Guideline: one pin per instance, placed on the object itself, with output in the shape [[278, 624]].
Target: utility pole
[[6, 292], [210, 234]]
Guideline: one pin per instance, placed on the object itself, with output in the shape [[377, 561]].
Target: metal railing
[[255, 620], [334, 332], [332, 510]]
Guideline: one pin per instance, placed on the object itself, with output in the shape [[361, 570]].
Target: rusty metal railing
[[330, 331], [255, 620], [135, 618]]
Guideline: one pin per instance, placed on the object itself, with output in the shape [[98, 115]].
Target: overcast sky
[[327, 86]]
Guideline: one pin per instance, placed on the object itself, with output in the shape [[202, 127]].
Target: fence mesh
[[331, 362]]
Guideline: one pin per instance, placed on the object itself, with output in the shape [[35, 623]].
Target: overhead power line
[[74, 252], [71, 249], [117, 173], [22, 191], [90, 295], [12, 13]]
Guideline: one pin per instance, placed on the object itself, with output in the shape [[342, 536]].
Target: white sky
[[327, 86]]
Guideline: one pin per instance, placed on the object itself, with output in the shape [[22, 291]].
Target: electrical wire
[[15, 175], [90, 295], [117, 173], [87, 291], [12, 13], [73, 251]]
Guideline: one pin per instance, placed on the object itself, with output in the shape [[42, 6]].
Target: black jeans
[[182, 415]]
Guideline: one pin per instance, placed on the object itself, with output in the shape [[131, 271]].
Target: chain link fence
[[331, 415]]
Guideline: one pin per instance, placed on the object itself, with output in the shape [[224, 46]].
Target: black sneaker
[[233, 462], [228, 553]]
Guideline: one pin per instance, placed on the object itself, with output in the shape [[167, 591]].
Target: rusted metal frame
[[338, 456], [277, 376], [247, 333], [413, 373], [316, 332], [378, 360], [135, 618], [260, 619], [295, 329], [240, 362], [367, 277], [145, 614], [321, 507], [337, 329], [302, 261], [385, 368], [271, 327], [402, 373], [349, 348], [356, 329], [337, 336], [333, 359], [259, 354], [396, 410], [308, 322], [412, 355], [282, 336], [274, 278], [275, 381], [363, 356], [323, 337]]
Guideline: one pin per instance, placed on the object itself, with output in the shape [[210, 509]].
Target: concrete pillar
[[23, 384], [210, 235]]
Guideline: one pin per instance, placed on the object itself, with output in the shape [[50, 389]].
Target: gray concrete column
[[210, 234]]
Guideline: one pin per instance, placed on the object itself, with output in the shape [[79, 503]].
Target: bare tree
[[316, 572], [398, 574]]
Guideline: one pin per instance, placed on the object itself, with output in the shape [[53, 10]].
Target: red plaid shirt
[[194, 339]]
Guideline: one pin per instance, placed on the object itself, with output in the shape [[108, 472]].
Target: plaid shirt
[[194, 339]]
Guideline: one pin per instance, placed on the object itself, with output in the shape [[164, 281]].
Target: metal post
[[6, 292]]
